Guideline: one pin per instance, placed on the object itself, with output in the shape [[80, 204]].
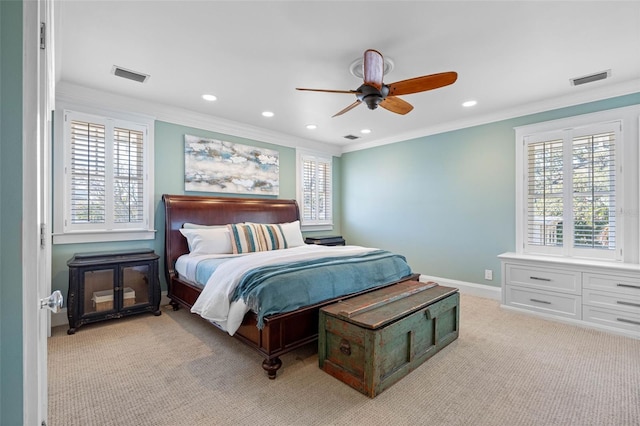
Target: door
[[38, 97]]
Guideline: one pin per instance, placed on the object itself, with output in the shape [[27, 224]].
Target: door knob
[[53, 302]]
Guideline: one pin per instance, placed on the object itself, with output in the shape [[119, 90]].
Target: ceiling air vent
[[352, 137], [590, 78], [128, 74]]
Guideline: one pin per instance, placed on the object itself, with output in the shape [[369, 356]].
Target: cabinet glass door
[[98, 290], [135, 285]]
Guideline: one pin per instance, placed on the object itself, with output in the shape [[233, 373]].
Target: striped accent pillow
[[270, 236], [244, 238]]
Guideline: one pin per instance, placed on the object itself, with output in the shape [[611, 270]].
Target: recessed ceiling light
[[311, 126], [365, 131], [468, 104], [267, 114], [210, 98]]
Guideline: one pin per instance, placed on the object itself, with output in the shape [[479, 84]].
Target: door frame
[[37, 102]]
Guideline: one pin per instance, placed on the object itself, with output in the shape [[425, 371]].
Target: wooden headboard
[[180, 209]]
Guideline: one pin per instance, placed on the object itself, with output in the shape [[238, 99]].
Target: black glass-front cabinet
[[108, 285]]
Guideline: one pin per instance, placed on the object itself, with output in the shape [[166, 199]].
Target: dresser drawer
[[544, 278], [612, 283], [566, 305], [613, 318], [603, 299]]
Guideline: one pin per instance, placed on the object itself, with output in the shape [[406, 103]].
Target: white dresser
[[604, 295]]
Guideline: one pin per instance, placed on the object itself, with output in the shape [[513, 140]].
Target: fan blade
[[422, 84], [397, 105], [351, 92], [349, 108], [373, 68]]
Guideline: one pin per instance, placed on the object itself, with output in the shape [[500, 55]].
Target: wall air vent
[[590, 78], [352, 137], [128, 74]]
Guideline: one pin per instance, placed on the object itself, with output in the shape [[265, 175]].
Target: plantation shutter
[[545, 193], [128, 176], [316, 190], [571, 191], [594, 191], [88, 173], [106, 174]]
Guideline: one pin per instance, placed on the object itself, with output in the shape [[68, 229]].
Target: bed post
[[271, 366]]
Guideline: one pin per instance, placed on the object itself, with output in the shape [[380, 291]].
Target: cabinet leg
[[271, 366], [174, 305]]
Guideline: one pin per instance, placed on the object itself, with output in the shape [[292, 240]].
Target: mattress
[[218, 304], [196, 269]]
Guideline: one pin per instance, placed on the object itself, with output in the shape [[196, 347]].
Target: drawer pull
[[621, 302], [628, 321], [628, 285], [540, 301], [540, 279], [345, 347]]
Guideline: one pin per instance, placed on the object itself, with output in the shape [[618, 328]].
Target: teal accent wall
[[446, 201], [11, 388], [169, 179]]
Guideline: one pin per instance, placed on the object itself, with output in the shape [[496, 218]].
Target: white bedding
[[186, 265], [214, 302]]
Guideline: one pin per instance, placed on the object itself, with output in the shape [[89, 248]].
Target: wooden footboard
[[282, 332]]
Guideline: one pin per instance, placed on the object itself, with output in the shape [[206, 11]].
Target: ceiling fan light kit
[[356, 67], [373, 92]]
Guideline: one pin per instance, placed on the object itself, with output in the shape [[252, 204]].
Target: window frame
[[301, 156], [626, 192], [63, 231]]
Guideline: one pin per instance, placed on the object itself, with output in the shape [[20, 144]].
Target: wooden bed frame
[[281, 332]]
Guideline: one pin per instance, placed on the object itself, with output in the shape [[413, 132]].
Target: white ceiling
[[513, 57]]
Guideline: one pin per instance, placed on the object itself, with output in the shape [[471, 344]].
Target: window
[[315, 190], [572, 185], [105, 179], [570, 194]]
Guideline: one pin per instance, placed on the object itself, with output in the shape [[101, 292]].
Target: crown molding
[[581, 97], [73, 93]]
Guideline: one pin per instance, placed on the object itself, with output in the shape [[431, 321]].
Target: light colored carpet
[[504, 369]]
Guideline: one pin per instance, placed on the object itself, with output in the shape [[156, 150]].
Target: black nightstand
[[107, 285], [330, 240]]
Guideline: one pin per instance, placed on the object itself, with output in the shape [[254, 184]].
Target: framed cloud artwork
[[212, 165]]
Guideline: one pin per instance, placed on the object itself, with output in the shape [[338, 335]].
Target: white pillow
[[208, 240], [292, 233]]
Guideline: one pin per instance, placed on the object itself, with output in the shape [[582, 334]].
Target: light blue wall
[[446, 201], [169, 179], [10, 213]]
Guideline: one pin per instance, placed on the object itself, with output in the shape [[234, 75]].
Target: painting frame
[[214, 165]]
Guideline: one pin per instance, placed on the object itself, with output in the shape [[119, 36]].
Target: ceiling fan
[[374, 92]]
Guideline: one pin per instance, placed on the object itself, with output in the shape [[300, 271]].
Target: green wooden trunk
[[373, 340]]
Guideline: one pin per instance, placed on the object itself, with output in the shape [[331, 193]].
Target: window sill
[[104, 236], [312, 228]]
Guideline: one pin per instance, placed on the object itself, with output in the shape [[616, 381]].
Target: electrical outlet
[[488, 274]]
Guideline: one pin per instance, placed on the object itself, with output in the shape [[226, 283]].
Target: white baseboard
[[579, 323], [60, 318], [480, 290]]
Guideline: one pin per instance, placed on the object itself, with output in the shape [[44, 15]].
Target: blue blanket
[[287, 287]]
